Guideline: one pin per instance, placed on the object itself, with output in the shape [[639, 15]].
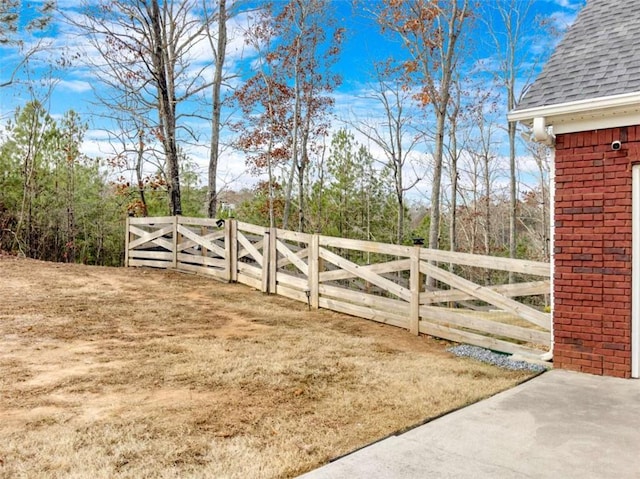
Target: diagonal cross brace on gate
[[485, 294]]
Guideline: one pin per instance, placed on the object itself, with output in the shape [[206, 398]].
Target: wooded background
[[442, 120]]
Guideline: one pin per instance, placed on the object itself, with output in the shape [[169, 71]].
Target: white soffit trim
[[594, 122], [593, 114]]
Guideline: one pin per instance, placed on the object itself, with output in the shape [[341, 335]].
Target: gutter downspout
[[541, 134]]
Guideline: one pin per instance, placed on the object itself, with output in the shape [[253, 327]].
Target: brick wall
[[593, 242]]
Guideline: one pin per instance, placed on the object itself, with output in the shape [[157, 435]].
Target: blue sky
[[364, 44]]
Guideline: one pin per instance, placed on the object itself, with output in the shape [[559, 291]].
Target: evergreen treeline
[[57, 204]]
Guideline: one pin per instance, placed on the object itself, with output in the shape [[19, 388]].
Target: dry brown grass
[[135, 373]]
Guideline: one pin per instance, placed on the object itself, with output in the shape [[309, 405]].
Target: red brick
[[592, 315]]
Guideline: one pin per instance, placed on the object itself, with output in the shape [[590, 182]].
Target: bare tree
[[264, 99], [453, 155], [136, 158], [147, 64], [218, 44], [536, 203], [11, 12], [509, 25], [477, 169], [310, 48], [430, 32], [299, 43], [395, 135]]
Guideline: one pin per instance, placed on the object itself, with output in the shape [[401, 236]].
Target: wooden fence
[[376, 281]]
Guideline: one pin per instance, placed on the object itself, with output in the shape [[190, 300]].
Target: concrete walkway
[[558, 425]]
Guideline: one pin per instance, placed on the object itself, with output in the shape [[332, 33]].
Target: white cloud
[[75, 86], [569, 4]]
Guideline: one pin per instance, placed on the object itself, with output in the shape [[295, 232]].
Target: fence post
[[127, 239], [234, 251], [204, 231], [266, 263], [314, 272], [273, 261], [231, 249], [228, 226], [414, 284], [175, 242]]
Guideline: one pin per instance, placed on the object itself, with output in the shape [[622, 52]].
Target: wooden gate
[[198, 245]]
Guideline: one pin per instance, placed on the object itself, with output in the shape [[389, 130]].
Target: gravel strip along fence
[[497, 359]]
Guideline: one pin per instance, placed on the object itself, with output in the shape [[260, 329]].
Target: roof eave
[[595, 113]]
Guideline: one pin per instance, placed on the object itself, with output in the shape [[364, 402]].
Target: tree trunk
[[294, 140], [513, 239], [212, 196], [301, 173], [139, 165], [487, 206], [166, 107], [434, 227], [454, 195], [398, 166]]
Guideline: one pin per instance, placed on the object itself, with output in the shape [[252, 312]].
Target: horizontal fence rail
[[423, 290]]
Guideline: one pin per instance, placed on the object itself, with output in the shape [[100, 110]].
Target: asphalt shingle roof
[[599, 56]]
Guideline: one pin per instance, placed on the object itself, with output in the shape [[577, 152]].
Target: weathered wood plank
[[151, 220], [462, 319], [380, 303], [291, 293], [150, 263], [293, 236], [414, 286], [186, 220], [152, 237], [485, 294], [243, 253], [159, 255], [191, 268], [302, 254], [366, 246], [203, 233], [266, 250], [535, 268], [247, 227], [272, 266], [231, 249], [494, 344], [380, 268], [292, 281], [195, 238], [210, 237], [365, 312], [127, 240], [249, 270], [250, 248], [510, 290], [313, 278], [365, 274], [292, 257], [201, 260], [249, 281], [175, 238], [524, 289], [189, 251]]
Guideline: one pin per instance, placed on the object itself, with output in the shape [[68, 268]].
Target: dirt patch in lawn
[[108, 372]]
